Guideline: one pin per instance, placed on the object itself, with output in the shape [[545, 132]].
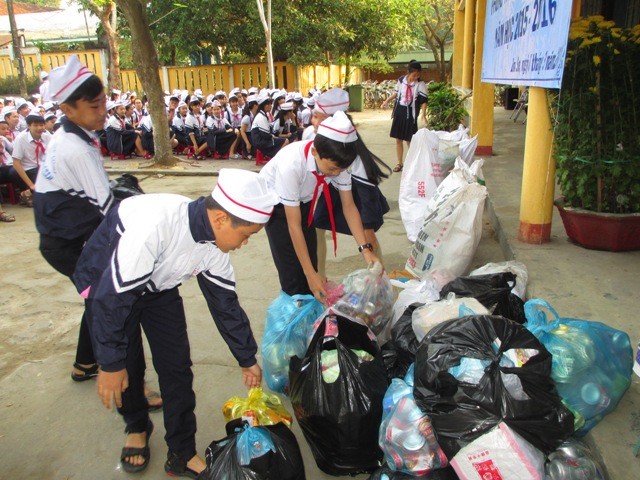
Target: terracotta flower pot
[[612, 232]]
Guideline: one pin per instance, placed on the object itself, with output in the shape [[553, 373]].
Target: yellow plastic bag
[[262, 408]]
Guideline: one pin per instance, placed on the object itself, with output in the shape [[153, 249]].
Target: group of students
[[238, 125], [127, 258]]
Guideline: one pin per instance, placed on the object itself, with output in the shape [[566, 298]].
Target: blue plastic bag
[[288, 326], [591, 362], [254, 442]]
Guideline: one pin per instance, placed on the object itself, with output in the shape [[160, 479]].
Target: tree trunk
[[145, 58], [107, 15], [266, 23]]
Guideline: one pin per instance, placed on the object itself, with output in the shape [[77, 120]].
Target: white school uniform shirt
[[5, 156], [24, 149], [44, 91], [146, 124], [248, 121], [290, 175], [262, 122], [73, 166], [304, 117], [178, 122], [160, 223], [235, 119], [194, 122], [116, 123], [309, 133], [217, 123], [22, 124]]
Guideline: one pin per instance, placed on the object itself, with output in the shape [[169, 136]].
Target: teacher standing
[[411, 95]]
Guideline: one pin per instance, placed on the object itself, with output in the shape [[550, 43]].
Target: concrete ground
[[52, 428]]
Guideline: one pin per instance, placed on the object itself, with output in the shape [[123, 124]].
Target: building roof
[[422, 56], [20, 8]]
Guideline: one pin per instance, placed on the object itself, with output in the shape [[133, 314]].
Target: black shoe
[[176, 466], [87, 372], [133, 451]]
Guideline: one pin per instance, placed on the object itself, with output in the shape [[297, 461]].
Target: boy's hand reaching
[[252, 376]]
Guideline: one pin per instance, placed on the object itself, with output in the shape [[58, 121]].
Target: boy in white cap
[[44, 86], [130, 271], [72, 193], [299, 173]]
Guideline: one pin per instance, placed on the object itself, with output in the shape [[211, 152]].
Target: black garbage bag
[[493, 291], [285, 463], [385, 473], [340, 420], [466, 381], [126, 186], [400, 351]]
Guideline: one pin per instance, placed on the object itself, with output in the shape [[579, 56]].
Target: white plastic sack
[[431, 156], [500, 454], [425, 318], [452, 225], [414, 291], [519, 269]]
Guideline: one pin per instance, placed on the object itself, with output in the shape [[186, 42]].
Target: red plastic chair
[[11, 192], [261, 158]]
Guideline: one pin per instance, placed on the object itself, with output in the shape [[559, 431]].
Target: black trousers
[[17, 180], [161, 315], [292, 278], [63, 254]]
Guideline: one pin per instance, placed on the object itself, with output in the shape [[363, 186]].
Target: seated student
[[285, 124], [262, 137], [5, 168], [12, 118], [298, 174], [234, 116], [28, 152], [194, 127], [248, 115], [122, 139], [146, 135], [130, 271], [178, 125], [221, 136]]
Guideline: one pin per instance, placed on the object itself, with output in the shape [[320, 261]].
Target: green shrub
[[444, 107], [11, 86]]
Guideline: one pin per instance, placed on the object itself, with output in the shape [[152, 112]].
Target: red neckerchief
[[408, 92], [320, 183], [39, 150]]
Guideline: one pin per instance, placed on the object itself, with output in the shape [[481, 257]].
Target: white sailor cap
[[7, 110], [197, 92], [43, 75], [244, 92], [253, 90], [63, 81], [210, 98], [245, 194], [21, 103], [110, 105], [221, 93], [263, 97], [332, 101], [182, 104], [279, 94], [286, 106], [216, 103], [49, 106], [118, 103], [49, 116], [116, 91], [339, 128], [296, 96], [234, 91], [252, 98]]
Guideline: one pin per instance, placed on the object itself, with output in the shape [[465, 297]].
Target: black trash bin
[[510, 97]]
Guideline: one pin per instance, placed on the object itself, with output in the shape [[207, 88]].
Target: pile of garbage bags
[[467, 381]]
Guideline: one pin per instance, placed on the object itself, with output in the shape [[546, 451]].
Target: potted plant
[[597, 135]]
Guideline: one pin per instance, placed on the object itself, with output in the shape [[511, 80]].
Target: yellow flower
[[596, 60], [616, 51], [592, 89]]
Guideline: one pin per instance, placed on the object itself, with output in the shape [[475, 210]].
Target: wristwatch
[[366, 246]]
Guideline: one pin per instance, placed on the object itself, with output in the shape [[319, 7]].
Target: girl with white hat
[[298, 174], [194, 126], [262, 136]]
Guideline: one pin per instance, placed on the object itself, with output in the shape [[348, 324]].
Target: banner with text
[[525, 42]]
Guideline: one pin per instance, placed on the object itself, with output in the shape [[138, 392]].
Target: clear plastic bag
[[288, 326], [368, 296], [261, 408], [406, 436], [591, 363]]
